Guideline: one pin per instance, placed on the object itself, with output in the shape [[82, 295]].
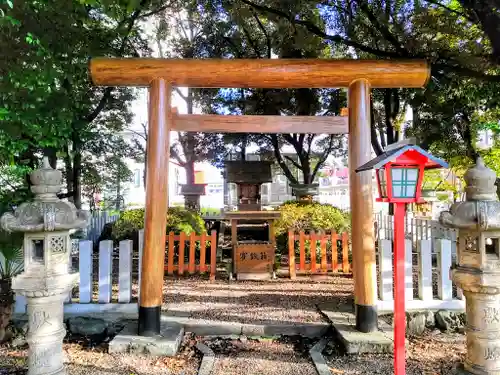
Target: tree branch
[[266, 34], [179, 92], [382, 29], [373, 132], [250, 40], [156, 11], [175, 155], [295, 164], [469, 18], [323, 158], [310, 26], [279, 159], [107, 92]]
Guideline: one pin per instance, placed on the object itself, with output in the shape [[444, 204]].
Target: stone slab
[[203, 327], [355, 342], [165, 344], [208, 360], [255, 276], [317, 357], [307, 330]]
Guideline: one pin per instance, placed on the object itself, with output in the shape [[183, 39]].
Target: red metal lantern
[[400, 174]]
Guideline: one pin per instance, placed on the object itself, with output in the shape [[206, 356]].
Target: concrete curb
[[318, 359], [202, 327], [208, 360]]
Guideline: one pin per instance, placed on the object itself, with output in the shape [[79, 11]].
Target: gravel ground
[[432, 354], [266, 357], [278, 301], [81, 360]]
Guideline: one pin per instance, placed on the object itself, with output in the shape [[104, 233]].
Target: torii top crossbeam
[[159, 75], [259, 73]]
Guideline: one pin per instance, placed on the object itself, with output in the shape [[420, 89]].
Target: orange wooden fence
[[193, 265], [328, 261]]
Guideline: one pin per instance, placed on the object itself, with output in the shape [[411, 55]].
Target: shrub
[[311, 216], [308, 217], [178, 220]]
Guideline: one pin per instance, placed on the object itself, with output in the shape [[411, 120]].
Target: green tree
[[48, 104], [238, 31]]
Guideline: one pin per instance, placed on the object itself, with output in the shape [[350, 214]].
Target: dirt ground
[[81, 359], [435, 353], [287, 356], [279, 301]]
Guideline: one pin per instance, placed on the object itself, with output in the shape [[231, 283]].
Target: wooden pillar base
[[366, 318], [149, 321]]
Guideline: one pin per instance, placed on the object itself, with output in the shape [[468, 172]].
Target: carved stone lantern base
[[477, 271], [483, 320], [45, 335]]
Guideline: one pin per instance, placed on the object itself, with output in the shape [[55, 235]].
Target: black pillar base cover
[[149, 321], [366, 318]]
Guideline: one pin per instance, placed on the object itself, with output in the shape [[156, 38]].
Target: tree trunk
[[118, 195], [51, 153], [243, 152], [191, 202], [306, 170], [68, 166], [77, 173]]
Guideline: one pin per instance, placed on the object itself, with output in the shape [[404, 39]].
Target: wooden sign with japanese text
[[254, 258]]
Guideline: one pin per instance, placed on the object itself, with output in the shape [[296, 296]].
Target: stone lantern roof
[[46, 212], [480, 182], [481, 209]]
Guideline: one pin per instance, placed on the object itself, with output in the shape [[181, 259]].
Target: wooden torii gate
[[159, 75]]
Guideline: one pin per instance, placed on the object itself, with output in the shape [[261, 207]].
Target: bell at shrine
[[47, 279], [477, 271]]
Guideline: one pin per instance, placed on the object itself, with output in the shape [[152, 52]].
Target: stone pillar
[[47, 278], [46, 333], [478, 270]]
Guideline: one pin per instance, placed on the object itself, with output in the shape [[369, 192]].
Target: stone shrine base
[[255, 276], [355, 342], [165, 344]]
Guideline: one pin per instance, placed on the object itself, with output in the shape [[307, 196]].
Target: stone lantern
[[47, 278], [478, 270]]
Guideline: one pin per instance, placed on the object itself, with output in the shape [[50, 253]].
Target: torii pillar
[[359, 76]]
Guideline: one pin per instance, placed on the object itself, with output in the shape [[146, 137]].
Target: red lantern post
[[400, 173]]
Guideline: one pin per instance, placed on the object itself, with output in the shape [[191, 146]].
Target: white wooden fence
[[97, 222], [416, 229], [428, 284]]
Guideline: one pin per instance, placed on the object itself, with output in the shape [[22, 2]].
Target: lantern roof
[[46, 212], [404, 154]]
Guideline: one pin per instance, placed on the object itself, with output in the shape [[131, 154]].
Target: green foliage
[[11, 259], [11, 254], [210, 211], [311, 216], [299, 216], [178, 220]]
